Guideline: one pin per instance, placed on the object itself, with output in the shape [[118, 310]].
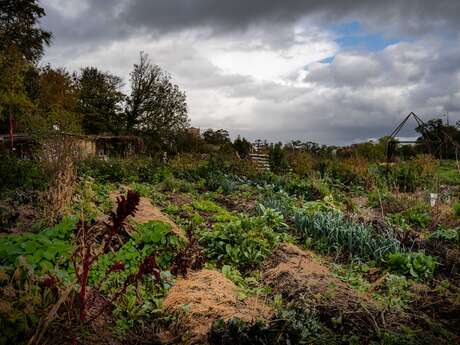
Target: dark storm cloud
[[116, 19], [412, 14]]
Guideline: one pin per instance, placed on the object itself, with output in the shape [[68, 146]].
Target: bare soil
[[300, 278]]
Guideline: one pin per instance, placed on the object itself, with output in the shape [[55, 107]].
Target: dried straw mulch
[[203, 297]]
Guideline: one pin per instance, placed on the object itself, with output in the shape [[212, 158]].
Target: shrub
[[406, 178], [120, 170], [340, 171], [18, 173], [414, 264], [301, 163], [277, 158]]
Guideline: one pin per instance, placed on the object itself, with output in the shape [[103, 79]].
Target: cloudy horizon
[[333, 72]]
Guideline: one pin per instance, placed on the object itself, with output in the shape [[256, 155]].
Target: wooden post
[[11, 132]]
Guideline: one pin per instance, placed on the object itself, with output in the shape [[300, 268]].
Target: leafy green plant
[[417, 265], [206, 206], [396, 292], [418, 215], [244, 243], [43, 251], [246, 286], [272, 218], [446, 235]]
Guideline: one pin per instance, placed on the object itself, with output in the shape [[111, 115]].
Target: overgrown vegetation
[[331, 246]]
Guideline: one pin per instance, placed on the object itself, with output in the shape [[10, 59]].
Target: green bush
[[16, 173], [121, 170], [412, 264]]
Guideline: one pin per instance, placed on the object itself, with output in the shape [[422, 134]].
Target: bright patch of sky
[[352, 36]]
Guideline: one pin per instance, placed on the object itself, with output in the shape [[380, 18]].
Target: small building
[[194, 131], [102, 146], [114, 145]]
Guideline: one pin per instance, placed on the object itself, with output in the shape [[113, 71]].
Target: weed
[[395, 293], [456, 209], [293, 326]]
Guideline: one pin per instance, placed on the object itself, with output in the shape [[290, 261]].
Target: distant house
[[194, 131], [84, 146]]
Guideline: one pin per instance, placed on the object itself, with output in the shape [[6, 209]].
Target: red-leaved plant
[[191, 257], [87, 251]]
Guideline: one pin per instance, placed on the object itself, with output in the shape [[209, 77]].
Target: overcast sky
[[333, 72]]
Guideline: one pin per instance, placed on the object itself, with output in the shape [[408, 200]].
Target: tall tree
[[216, 137], [56, 102], [156, 106], [13, 97], [100, 101], [441, 139], [19, 27], [242, 146], [21, 45]]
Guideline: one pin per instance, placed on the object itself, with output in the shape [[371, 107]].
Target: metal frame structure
[[393, 143]]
